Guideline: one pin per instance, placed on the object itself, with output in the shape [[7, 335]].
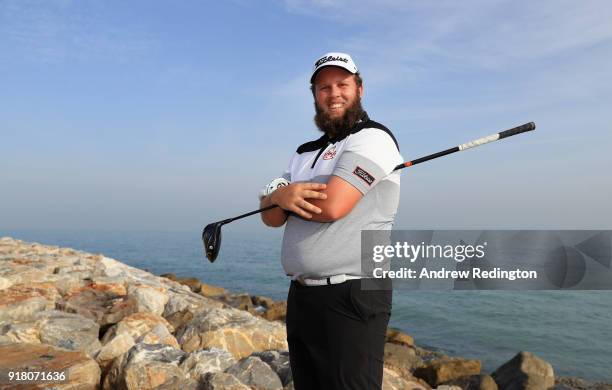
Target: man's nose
[[335, 90]]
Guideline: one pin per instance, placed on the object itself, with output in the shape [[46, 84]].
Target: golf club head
[[211, 237]]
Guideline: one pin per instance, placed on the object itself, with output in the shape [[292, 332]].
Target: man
[[341, 183]]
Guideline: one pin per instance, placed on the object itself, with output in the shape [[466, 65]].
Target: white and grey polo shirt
[[366, 159]]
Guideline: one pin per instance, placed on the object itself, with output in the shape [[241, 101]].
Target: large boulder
[[147, 298], [256, 374], [525, 371], [401, 359], [69, 331], [146, 328], [222, 381], [137, 325], [147, 366], [396, 336], [394, 381], [183, 305], [21, 302], [474, 382], [81, 371], [209, 291], [233, 330], [97, 302], [201, 362], [444, 370], [278, 362]]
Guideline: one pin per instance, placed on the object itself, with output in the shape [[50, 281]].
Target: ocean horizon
[[572, 330]]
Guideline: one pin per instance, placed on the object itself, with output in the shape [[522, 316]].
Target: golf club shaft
[[468, 145]]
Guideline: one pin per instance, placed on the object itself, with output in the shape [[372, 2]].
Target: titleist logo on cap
[[330, 58]]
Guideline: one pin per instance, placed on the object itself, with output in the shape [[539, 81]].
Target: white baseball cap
[[341, 60]]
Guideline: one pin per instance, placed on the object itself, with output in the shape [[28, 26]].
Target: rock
[[395, 336], [572, 383], [22, 302], [194, 284], [136, 325], [145, 328], [68, 331], [26, 332], [183, 305], [170, 276], [254, 373], [5, 283], [445, 370], [115, 347], [98, 303], [146, 366], [81, 371], [239, 301], [393, 381], [262, 301], [212, 291], [114, 287], [222, 381], [428, 355], [401, 359], [474, 382], [278, 362], [159, 335], [235, 331], [148, 298], [524, 371], [276, 312], [199, 363]]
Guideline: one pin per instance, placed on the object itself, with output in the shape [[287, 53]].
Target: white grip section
[[479, 141]]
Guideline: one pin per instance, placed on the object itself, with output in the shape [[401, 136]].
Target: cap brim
[[326, 65]]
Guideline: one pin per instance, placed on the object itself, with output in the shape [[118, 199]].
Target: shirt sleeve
[[287, 173], [368, 157]]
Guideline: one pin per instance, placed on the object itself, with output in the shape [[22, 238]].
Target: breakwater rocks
[[76, 320]]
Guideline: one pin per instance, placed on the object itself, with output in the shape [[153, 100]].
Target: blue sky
[[158, 115]]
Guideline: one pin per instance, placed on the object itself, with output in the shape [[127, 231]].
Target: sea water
[[570, 329]]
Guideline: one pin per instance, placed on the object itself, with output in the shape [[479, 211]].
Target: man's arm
[[292, 198], [275, 217], [341, 199]]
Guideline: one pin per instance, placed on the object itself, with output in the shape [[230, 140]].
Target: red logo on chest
[[331, 153]]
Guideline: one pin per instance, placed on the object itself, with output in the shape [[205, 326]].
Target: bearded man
[[340, 184]]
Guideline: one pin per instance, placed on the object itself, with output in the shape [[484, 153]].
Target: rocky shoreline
[[86, 321]]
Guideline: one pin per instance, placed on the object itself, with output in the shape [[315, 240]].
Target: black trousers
[[336, 335]]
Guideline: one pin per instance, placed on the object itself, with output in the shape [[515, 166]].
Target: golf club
[[211, 235]]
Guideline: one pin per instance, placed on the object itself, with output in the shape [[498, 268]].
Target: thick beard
[[338, 128]]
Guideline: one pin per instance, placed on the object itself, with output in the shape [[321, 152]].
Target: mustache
[[339, 127]]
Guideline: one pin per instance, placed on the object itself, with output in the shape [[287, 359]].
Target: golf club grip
[[468, 145], [517, 130]]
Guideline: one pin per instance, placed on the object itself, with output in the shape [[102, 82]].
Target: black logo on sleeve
[[363, 175]]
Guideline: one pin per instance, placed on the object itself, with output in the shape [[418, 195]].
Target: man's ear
[[360, 91]]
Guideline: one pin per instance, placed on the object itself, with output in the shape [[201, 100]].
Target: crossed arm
[[312, 201]]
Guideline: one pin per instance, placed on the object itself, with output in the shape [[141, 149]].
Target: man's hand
[[293, 198]]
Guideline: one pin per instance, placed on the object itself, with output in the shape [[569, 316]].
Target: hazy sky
[[168, 115]]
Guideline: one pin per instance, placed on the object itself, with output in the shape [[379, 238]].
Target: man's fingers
[[309, 206], [309, 194], [314, 186], [301, 212]]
